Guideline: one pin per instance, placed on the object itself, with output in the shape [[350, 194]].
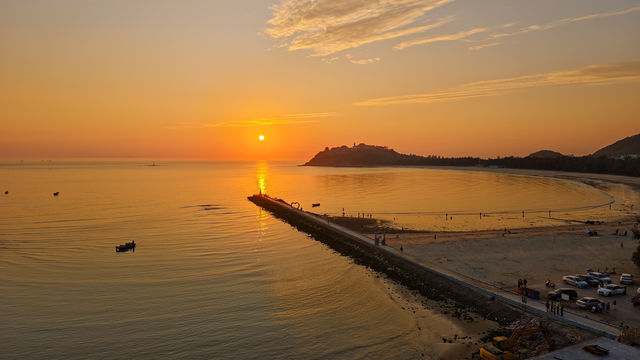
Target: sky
[[202, 79]]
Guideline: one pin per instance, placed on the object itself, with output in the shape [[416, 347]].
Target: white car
[[612, 289], [589, 303], [626, 279], [601, 276], [572, 280]]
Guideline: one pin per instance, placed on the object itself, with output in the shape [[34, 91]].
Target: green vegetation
[[590, 164], [369, 155]]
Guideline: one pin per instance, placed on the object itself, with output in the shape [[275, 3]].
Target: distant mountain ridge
[[619, 158], [629, 146]]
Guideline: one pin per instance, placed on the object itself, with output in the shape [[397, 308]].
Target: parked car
[[557, 294], [572, 280], [612, 289], [590, 303], [626, 279], [591, 280], [601, 276]]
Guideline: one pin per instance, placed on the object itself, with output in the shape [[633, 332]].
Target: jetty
[[483, 298]]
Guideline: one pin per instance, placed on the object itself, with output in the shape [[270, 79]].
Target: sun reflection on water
[[261, 176]]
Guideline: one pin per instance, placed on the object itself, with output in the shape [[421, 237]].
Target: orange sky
[[202, 79]]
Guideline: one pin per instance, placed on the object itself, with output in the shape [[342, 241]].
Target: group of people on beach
[[522, 283], [555, 308]]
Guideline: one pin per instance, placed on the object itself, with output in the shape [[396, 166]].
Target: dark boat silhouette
[[56, 193], [315, 205], [126, 247]]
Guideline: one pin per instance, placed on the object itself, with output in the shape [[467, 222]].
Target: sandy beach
[[539, 254]]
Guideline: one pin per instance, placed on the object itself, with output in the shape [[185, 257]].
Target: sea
[[215, 277]]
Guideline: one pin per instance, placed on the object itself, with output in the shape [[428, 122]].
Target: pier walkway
[[534, 306]]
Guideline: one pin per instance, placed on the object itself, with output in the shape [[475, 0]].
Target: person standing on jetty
[[519, 283], [524, 283]]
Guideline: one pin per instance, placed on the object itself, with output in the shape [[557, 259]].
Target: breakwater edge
[[428, 282]]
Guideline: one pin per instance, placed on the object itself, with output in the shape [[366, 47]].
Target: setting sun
[[261, 137]]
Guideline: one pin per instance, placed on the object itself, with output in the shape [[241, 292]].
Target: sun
[[261, 137]]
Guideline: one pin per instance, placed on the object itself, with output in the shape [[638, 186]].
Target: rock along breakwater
[[383, 259]]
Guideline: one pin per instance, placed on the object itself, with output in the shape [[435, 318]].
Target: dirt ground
[[537, 255]]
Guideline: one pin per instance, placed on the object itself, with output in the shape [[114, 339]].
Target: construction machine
[[506, 348]]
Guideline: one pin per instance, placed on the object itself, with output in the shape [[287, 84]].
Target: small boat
[[56, 193], [315, 205], [126, 247]]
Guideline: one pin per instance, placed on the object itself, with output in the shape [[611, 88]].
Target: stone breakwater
[[431, 284]]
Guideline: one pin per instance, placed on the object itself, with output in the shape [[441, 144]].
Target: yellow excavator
[[506, 348]]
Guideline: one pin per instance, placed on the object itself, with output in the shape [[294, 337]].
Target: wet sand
[[500, 257], [539, 253]]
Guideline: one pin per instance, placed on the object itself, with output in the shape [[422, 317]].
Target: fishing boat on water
[[126, 247]]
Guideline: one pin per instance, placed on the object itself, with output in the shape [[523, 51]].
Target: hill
[[363, 155], [545, 154], [625, 147], [360, 155]]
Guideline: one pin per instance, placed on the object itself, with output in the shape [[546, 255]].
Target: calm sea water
[[213, 276]]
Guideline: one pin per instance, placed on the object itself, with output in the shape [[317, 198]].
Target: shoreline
[[430, 282], [611, 186], [622, 179], [498, 258], [540, 253]]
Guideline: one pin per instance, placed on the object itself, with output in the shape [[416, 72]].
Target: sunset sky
[[202, 79]]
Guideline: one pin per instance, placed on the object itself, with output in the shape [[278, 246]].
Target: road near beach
[[501, 258]]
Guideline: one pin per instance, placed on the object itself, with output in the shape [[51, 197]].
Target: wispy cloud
[[590, 75], [556, 23], [482, 46], [449, 37], [291, 119], [310, 115], [327, 26], [464, 35], [362, 61]]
